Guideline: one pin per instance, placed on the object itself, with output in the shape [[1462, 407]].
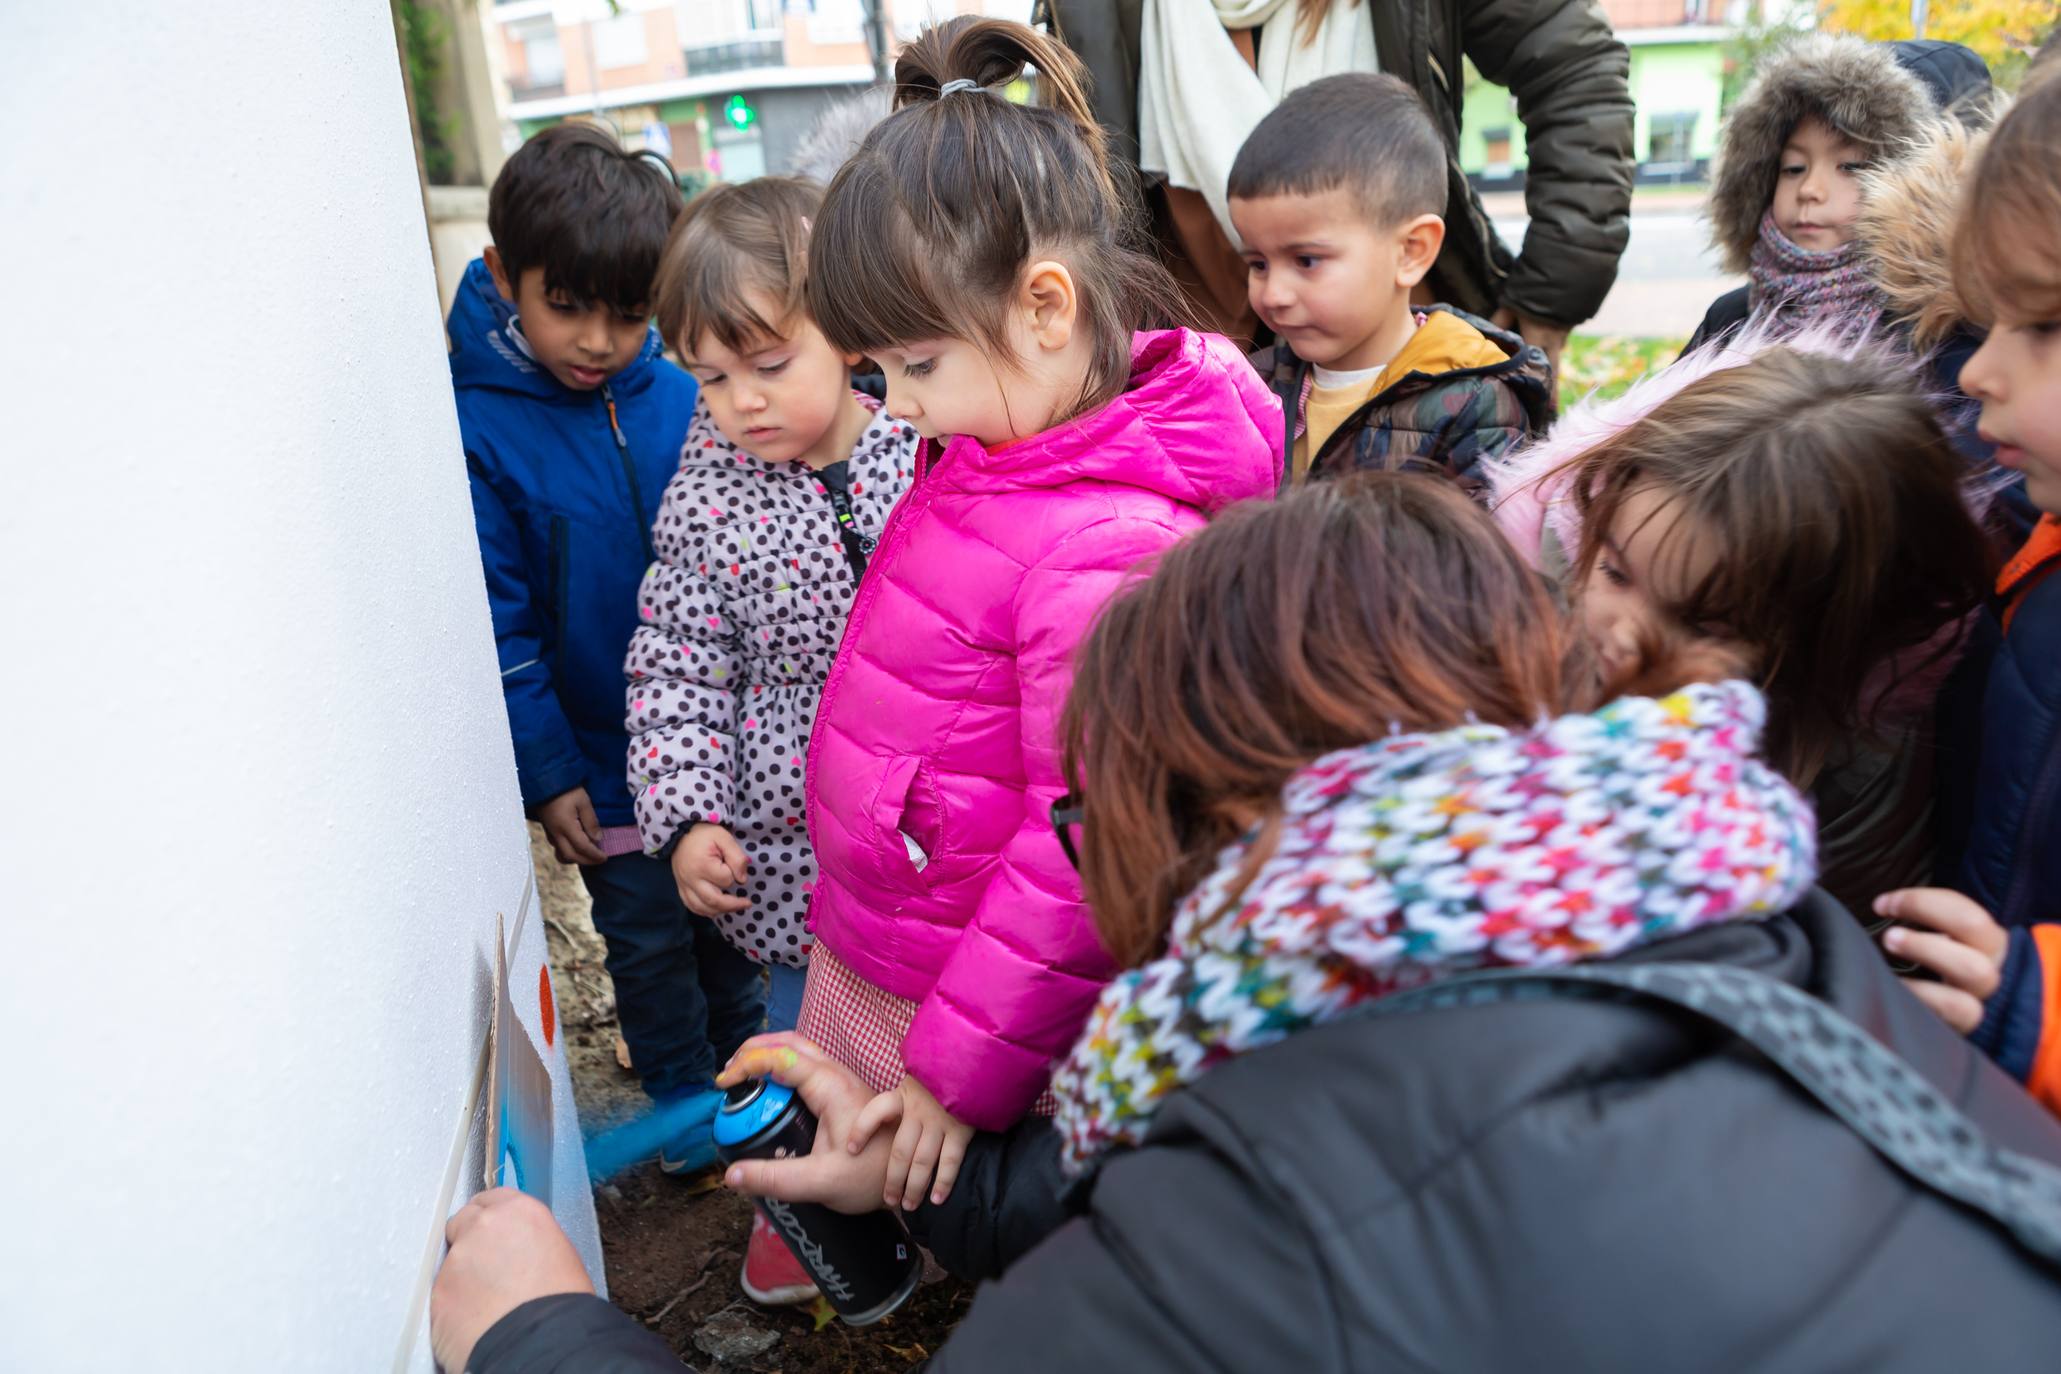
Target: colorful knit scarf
[[1806, 287], [1417, 857]]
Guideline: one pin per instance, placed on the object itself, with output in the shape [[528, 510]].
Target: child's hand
[[706, 862], [1967, 952], [569, 822], [929, 1138], [830, 1173]]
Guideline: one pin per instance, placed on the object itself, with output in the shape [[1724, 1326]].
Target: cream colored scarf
[[1197, 100]]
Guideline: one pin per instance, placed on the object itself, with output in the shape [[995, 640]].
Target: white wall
[[259, 805]]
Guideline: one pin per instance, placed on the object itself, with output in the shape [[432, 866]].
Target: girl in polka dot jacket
[[784, 485]]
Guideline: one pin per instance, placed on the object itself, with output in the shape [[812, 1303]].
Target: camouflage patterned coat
[[1446, 422]]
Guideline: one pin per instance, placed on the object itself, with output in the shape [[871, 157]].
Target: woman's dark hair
[[735, 239], [1284, 631], [1845, 552], [594, 216], [927, 228]]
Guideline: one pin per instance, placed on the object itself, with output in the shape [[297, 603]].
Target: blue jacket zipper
[[622, 449]]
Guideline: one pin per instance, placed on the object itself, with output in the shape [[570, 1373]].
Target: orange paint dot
[[545, 1005]]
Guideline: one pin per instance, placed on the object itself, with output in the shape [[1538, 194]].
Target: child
[[2007, 272], [572, 423], [1338, 196], [982, 259], [1397, 774], [784, 486], [1798, 504], [1787, 198]]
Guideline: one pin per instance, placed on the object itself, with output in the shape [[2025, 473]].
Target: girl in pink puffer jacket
[[976, 249]]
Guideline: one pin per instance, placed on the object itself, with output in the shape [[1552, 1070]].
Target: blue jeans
[[784, 994], [684, 998]]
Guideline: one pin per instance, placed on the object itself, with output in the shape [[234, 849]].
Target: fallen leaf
[[823, 1312]]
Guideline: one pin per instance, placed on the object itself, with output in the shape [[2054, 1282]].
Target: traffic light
[[739, 112]]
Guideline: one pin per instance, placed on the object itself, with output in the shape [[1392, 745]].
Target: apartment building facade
[[723, 89]]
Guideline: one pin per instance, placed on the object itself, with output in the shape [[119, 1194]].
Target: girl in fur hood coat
[[1790, 187]]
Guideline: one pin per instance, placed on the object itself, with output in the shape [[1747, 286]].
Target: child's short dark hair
[[1367, 133], [751, 235], [592, 215]]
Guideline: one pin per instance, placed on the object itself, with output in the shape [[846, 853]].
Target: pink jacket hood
[[935, 758], [1191, 404]]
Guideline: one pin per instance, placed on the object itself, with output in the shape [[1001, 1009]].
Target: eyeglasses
[[1066, 812]]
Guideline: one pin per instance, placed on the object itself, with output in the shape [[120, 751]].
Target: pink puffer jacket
[[935, 758]]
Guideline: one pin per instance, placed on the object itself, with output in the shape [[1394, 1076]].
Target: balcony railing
[[758, 48], [522, 88]]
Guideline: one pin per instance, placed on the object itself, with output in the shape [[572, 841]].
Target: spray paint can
[[866, 1266]]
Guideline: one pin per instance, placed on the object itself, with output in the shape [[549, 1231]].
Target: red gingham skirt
[[861, 1026]]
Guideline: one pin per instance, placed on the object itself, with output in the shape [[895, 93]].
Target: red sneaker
[[773, 1277]]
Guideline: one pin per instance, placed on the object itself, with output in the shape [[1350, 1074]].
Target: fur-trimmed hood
[[1906, 228], [1857, 87]]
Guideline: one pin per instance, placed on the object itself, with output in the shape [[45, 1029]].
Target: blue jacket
[[563, 502], [2000, 749], [2021, 1022]]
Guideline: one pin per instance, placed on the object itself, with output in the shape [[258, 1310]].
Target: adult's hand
[[1543, 334], [833, 1174], [506, 1249]]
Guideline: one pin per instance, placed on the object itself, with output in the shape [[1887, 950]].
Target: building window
[[833, 22], [1670, 139], [619, 41], [542, 59], [1495, 145], [730, 35]]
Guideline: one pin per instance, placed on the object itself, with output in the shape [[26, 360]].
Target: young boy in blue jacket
[[572, 425]]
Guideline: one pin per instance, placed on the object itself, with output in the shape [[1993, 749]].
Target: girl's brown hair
[[1284, 631], [731, 241], [932, 220], [2007, 239], [1833, 505]]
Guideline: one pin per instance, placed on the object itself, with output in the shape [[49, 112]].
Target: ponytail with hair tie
[[937, 214]]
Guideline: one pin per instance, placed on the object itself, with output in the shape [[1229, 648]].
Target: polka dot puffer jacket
[[740, 620]]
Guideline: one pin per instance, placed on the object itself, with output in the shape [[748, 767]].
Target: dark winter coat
[[1566, 68], [2000, 755], [2021, 1021], [1445, 422], [1552, 1185], [562, 500]]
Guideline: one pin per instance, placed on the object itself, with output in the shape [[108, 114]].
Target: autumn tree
[[2004, 32]]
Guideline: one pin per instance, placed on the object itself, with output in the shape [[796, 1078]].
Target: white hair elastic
[[959, 83]]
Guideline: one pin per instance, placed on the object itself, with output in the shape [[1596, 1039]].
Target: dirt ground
[[673, 1246]]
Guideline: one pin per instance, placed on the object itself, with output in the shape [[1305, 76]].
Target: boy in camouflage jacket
[[1337, 195]]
